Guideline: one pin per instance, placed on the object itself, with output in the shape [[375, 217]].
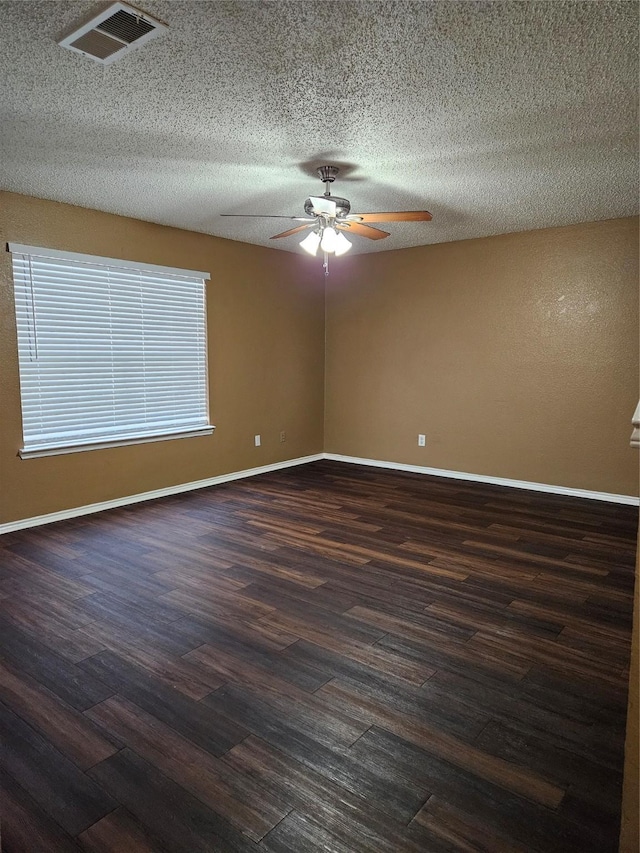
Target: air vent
[[112, 33], [96, 45]]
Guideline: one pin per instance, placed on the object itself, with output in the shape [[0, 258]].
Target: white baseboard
[[37, 520], [482, 478]]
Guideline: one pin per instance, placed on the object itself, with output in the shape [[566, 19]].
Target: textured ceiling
[[496, 117]]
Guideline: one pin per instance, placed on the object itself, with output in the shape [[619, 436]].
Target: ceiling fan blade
[[292, 231], [395, 216], [362, 230], [323, 205], [270, 216]]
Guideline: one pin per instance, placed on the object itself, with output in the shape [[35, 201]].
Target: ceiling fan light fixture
[[342, 245], [311, 242], [329, 239]]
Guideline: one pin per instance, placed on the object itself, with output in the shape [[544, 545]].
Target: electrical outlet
[[422, 440], [256, 440], [283, 436]]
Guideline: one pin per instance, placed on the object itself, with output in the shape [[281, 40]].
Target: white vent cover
[[112, 33]]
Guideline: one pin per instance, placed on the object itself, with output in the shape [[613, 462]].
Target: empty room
[[319, 427]]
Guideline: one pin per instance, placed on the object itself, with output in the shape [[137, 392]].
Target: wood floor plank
[[579, 726], [65, 727], [572, 617], [462, 833], [46, 556], [112, 578], [479, 617], [221, 604], [238, 651], [511, 776], [257, 637], [400, 801], [61, 790], [283, 591], [421, 626], [324, 620], [214, 733], [507, 814], [126, 611], [200, 579], [543, 652], [25, 826], [159, 641], [266, 674], [30, 578], [454, 658], [171, 670], [28, 653], [330, 657], [592, 781], [119, 831], [282, 565], [387, 694], [58, 637], [298, 831], [180, 820], [250, 807], [313, 794], [307, 713], [44, 610]]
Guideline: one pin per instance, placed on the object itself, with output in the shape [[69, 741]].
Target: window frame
[[139, 435]]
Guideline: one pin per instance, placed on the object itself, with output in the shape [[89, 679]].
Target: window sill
[[36, 453]]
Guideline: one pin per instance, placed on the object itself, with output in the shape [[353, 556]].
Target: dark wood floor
[[328, 658]]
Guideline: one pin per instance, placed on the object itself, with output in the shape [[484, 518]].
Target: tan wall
[[266, 361], [630, 824], [516, 355]]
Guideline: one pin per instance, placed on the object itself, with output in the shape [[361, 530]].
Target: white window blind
[[110, 351]]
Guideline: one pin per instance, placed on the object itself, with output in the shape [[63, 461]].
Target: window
[[111, 352]]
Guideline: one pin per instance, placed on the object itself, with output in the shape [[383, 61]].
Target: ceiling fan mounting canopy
[[327, 174]]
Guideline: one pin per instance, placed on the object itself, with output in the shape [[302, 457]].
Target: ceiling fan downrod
[[327, 175]]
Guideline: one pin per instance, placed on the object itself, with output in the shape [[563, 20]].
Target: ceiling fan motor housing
[[343, 206]]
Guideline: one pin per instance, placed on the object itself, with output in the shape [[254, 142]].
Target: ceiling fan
[[330, 218]]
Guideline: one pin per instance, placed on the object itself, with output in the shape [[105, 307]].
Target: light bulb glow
[[329, 239], [310, 243], [342, 244]]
